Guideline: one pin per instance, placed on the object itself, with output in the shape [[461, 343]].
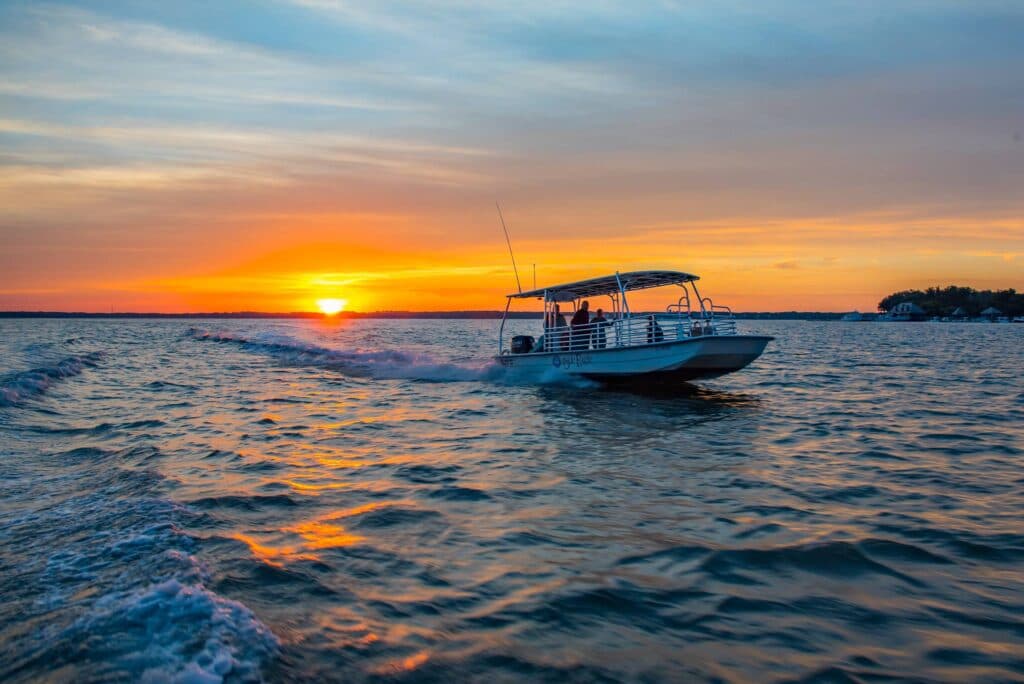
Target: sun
[[331, 306]]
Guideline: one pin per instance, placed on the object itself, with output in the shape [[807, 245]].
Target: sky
[[262, 155]]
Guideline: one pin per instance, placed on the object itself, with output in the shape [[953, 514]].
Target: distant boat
[[853, 316], [693, 338]]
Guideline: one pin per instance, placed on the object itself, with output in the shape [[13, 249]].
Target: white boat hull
[[689, 359]]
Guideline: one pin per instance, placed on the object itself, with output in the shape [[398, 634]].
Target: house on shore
[[991, 314], [906, 311], [959, 314]]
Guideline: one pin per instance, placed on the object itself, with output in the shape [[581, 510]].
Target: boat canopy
[[607, 285]]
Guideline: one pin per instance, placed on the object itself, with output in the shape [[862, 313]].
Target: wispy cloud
[[756, 139]]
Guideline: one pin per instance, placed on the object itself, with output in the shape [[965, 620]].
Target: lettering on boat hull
[[567, 361]]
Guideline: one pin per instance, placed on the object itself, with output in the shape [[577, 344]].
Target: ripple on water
[[361, 500], [107, 586], [254, 502]]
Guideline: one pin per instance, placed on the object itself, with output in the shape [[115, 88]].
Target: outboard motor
[[522, 344]]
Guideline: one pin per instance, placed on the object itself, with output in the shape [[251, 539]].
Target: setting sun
[[331, 306]]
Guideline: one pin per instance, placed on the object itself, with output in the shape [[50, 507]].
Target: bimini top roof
[[605, 285]]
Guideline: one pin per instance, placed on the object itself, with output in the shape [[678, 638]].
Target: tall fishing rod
[[508, 241]]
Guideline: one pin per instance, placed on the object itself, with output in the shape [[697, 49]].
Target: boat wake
[[108, 586], [386, 364], [22, 385]]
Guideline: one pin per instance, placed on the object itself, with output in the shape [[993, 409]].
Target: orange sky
[[167, 161]]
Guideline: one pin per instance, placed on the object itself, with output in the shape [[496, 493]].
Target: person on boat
[[654, 331], [559, 334], [549, 318], [598, 323], [581, 327]]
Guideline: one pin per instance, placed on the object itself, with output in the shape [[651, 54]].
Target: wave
[[22, 385], [109, 587], [834, 558], [180, 631]]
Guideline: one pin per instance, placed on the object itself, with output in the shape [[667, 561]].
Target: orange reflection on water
[[402, 665], [341, 462], [414, 661], [321, 533], [324, 535], [309, 487], [316, 535], [272, 555]]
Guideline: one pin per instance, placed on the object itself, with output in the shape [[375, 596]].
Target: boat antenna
[[535, 276], [508, 241]]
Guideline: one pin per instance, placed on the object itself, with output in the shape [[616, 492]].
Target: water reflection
[[759, 527], [661, 407]]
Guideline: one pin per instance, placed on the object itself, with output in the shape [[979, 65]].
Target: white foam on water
[[390, 364], [118, 592], [387, 364], [174, 629], [177, 631]]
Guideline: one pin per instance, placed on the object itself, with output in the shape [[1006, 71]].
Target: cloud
[[720, 134]]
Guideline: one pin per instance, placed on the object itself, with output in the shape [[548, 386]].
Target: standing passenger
[[581, 327]]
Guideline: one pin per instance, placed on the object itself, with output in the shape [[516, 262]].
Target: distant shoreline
[[393, 315]]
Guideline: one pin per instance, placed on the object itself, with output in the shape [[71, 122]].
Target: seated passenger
[[598, 323], [560, 339]]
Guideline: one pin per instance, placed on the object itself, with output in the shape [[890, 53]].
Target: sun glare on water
[[331, 306]]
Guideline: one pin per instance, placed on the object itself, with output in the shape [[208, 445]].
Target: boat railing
[[722, 317], [639, 329], [716, 317]]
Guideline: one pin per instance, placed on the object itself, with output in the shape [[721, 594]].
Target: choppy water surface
[[371, 500]]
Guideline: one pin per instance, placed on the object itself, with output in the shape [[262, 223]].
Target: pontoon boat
[[693, 338]]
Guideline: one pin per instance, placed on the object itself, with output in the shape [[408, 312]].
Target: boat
[[852, 317], [693, 338]]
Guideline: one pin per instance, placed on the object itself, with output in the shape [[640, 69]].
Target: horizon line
[[386, 313]]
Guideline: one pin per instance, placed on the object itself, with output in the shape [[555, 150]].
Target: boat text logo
[[576, 360]]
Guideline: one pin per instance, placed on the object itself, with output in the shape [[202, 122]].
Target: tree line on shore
[[943, 301]]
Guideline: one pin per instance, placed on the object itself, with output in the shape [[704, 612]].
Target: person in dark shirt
[[598, 323], [654, 331], [581, 327]]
